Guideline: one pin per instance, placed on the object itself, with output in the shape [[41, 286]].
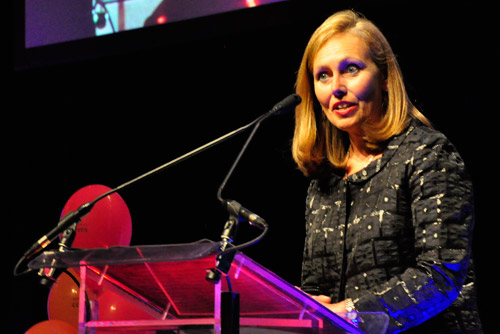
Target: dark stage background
[[106, 110]]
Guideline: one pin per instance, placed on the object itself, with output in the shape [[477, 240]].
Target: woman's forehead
[[342, 46]]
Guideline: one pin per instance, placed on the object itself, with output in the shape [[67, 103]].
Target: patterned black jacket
[[396, 236]]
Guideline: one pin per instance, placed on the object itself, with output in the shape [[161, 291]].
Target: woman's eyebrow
[[341, 65], [349, 60]]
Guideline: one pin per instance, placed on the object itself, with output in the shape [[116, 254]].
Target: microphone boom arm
[[75, 216]]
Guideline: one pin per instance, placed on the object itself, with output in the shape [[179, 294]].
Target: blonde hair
[[316, 141]]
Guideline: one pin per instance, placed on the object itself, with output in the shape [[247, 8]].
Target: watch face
[[349, 305]]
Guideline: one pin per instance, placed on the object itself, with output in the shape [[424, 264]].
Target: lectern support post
[[230, 313]]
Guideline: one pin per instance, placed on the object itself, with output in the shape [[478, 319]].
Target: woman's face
[[347, 83]]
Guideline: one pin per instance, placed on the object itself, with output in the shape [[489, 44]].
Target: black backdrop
[[105, 111]]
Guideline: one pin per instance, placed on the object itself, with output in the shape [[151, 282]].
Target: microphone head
[[285, 105]]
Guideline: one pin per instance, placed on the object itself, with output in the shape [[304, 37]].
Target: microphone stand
[[230, 302], [235, 210], [74, 217], [224, 258]]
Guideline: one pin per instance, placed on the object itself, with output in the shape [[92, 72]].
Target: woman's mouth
[[344, 108]]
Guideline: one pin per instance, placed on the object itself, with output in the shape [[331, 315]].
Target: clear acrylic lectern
[[167, 283]]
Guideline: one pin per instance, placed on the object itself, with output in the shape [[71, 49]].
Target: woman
[[389, 210]]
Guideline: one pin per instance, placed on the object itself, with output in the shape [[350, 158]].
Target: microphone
[[72, 217], [285, 105], [75, 216], [247, 215]]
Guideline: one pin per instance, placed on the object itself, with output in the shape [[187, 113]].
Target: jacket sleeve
[[442, 217]]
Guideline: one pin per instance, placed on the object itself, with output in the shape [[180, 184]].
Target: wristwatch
[[351, 312]]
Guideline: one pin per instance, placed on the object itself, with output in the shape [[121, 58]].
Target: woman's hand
[[338, 308]]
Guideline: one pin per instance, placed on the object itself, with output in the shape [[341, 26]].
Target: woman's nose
[[338, 88], [339, 93]]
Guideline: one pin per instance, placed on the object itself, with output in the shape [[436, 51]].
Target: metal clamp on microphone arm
[[50, 275]]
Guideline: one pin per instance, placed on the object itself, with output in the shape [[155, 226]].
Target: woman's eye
[[352, 69], [322, 76]]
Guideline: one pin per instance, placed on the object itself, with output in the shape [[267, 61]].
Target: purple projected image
[[56, 21]]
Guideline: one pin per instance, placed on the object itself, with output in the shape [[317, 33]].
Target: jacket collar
[[392, 146]]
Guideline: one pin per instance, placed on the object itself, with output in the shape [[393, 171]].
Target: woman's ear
[[385, 86]]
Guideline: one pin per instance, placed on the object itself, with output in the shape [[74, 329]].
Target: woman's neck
[[359, 156], [358, 148]]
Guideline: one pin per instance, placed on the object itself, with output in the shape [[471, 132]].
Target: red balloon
[[63, 304], [113, 307], [52, 327], [107, 224], [64, 296], [63, 300]]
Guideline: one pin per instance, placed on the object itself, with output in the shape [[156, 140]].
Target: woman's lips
[[344, 108]]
